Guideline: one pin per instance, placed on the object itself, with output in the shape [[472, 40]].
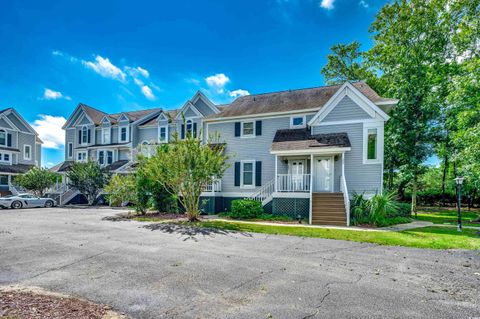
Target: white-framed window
[[248, 129], [3, 137], [82, 156], [84, 135], [123, 133], [70, 150], [4, 180], [106, 132], [27, 152], [372, 143], [163, 134], [105, 157], [298, 121], [247, 174], [6, 158]]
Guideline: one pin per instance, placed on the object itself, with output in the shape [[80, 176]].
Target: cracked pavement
[[170, 272]]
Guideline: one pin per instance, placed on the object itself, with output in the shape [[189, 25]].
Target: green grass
[[448, 216], [429, 237]]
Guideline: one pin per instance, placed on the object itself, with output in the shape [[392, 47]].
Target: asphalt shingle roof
[[301, 139]]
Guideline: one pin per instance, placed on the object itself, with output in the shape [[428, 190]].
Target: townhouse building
[[302, 153]]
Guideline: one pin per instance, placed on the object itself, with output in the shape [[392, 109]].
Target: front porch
[[310, 169]]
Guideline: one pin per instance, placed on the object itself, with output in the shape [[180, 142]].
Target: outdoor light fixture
[[459, 181]]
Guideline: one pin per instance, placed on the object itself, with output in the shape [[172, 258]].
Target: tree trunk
[[444, 177], [414, 195]]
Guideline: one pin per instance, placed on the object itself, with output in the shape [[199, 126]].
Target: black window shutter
[[88, 136], [258, 128], [194, 129], [80, 137], [237, 129], [9, 139], [237, 173], [258, 173], [182, 133]]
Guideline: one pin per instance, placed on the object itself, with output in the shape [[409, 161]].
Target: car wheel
[[48, 204], [17, 204]]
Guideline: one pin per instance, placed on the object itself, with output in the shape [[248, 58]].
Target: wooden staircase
[[328, 209]]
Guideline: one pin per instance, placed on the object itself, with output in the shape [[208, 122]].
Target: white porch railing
[[264, 194], [215, 186], [346, 199], [293, 183]]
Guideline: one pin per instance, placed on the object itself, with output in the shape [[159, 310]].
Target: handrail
[[293, 182], [265, 192], [215, 186], [346, 198]]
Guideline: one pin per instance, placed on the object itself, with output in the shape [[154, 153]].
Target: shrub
[[380, 205], [404, 210], [380, 210], [358, 209], [246, 209]]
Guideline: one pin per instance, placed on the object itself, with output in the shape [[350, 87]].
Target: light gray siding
[[346, 109], [203, 108], [256, 148], [147, 134], [26, 139], [38, 154], [360, 177], [19, 124], [84, 121], [123, 155], [4, 124], [189, 113]]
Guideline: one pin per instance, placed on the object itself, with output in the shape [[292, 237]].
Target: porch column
[[276, 172], [311, 189], [343, 165]]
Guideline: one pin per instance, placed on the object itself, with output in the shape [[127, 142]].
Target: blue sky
[[127, 55]]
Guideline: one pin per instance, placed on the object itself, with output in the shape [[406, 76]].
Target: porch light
[[459, 180]]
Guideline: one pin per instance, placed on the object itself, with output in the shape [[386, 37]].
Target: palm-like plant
[[380, 205]]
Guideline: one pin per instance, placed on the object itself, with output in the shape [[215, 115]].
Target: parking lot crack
[[69, 264]]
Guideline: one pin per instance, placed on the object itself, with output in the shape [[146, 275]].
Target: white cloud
[[238, 93], [105, 68], [363, 3], [148, 92], [52, 95], [49, 129], [217, 81], [327, 4], [135, 72], [138, 82]]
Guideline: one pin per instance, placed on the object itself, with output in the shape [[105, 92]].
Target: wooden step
[[329, 223]]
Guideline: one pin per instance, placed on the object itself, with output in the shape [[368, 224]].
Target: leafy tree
[[410, 42], [348, 63], [121, 189], [88, 178], [37, 180], [185, 167]]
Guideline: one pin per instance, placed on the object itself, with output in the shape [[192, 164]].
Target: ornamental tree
[[88, 178], [185, 167], [37, 180]]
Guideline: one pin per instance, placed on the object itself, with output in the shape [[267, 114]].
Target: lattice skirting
[[291, 207]]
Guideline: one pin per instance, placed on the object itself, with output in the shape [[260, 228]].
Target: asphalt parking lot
[[174, 272]]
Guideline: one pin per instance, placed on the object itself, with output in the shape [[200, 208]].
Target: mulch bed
[[34, 305]]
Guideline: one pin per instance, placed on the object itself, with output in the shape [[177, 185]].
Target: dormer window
[[123, 134], [163, 134], [106, 135]]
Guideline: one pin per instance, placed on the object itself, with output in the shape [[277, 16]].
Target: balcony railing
[[215, 186], [293, 182]]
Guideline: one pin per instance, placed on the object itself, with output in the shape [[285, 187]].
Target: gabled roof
[[5, 112], [97, 116], [290, 101]]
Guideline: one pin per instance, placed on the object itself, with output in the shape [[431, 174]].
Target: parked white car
[[24, 201]]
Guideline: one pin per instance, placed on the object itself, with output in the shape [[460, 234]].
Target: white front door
[[323, 176], [296, 171]]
